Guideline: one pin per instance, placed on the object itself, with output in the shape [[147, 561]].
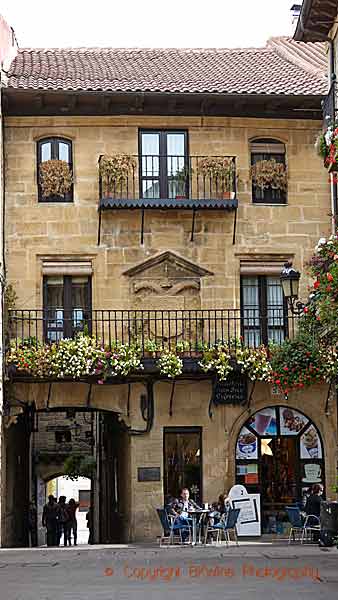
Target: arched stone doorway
[[78, 489], [280, 455]]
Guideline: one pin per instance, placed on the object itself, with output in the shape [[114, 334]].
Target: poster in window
[[312, 473], [291, 421], [246, 445], [310, 445], [264, 422]]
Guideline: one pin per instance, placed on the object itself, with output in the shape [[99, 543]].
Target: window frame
[[262, 311], [269, 195], [162, 178], [68, 330], [55, 141]]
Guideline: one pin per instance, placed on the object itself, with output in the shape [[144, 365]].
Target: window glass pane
[[182, 463], [55, 292], [64, 151], [46, 151], [250, 311], [175, 144], [150, 144], [79, 301], [275, 309], [150, 188]]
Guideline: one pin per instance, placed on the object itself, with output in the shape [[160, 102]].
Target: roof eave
[[307, 31]]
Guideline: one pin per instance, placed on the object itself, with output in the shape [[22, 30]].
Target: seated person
[[179, 509], [312, 507], [219, 508]]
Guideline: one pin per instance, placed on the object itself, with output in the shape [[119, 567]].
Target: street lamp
[[289, 279]]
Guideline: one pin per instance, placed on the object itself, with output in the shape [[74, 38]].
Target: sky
[[147, 23]]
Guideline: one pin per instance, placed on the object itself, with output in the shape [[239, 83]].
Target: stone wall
[[35, 231]]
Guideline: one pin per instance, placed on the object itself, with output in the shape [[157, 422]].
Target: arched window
[[269, 150], [54, 148], [279, 455]]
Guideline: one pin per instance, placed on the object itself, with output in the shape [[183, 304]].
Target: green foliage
[[77, 465]]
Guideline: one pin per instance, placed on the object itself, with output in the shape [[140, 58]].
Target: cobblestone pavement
[[139, 571]]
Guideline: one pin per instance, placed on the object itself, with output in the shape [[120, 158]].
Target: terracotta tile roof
[[279, 68]]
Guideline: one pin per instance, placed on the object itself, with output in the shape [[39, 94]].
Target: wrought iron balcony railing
[[187, 331], [167, 182]]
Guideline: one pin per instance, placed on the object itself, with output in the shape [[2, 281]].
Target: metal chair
[[171, 531], [225, 526], [295, 518], [311, 524], [298, 526], [231, 522]]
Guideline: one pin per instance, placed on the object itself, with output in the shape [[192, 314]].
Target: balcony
[[167, 182], [187, 333]]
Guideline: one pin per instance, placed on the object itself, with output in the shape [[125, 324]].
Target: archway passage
[[280, 455], [80, 491]]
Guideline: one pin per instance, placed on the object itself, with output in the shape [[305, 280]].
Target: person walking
[[72, 525], [32, 522], [63, 521], [50, 520]]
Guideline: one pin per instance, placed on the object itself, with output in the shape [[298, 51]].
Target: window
[[183, 461], [267, 149], [67, 306], [54, 149], [163, 164], [264, 312]]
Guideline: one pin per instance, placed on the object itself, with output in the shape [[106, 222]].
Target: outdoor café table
[[193, 514]]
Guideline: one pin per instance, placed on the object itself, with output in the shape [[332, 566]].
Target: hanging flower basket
[[267, 174], [55, 178], [114, 171], [220, 171]]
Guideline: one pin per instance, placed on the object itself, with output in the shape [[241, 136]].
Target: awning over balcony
[[165, 203]]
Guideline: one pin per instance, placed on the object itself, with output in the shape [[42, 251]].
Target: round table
[[193, 514]]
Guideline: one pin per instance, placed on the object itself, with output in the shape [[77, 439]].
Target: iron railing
[[170, 177], [186, 330]]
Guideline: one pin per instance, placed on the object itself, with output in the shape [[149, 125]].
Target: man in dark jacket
[[50, 520], [179, 509], [63, 520]]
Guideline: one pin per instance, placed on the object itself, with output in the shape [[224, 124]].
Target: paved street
[[111, 572]]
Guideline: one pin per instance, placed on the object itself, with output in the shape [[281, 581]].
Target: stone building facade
[[146, 260]]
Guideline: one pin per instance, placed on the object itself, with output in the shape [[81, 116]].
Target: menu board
[[247, 447], [310, 445], [264, 422], [249, 517], [291, 421]]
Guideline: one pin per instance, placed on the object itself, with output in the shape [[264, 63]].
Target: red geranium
[[316, 284]]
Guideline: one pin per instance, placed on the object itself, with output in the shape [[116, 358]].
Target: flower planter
[[224, 195], [180, 197]]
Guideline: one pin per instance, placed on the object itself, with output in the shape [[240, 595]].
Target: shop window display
[[279, 454]]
